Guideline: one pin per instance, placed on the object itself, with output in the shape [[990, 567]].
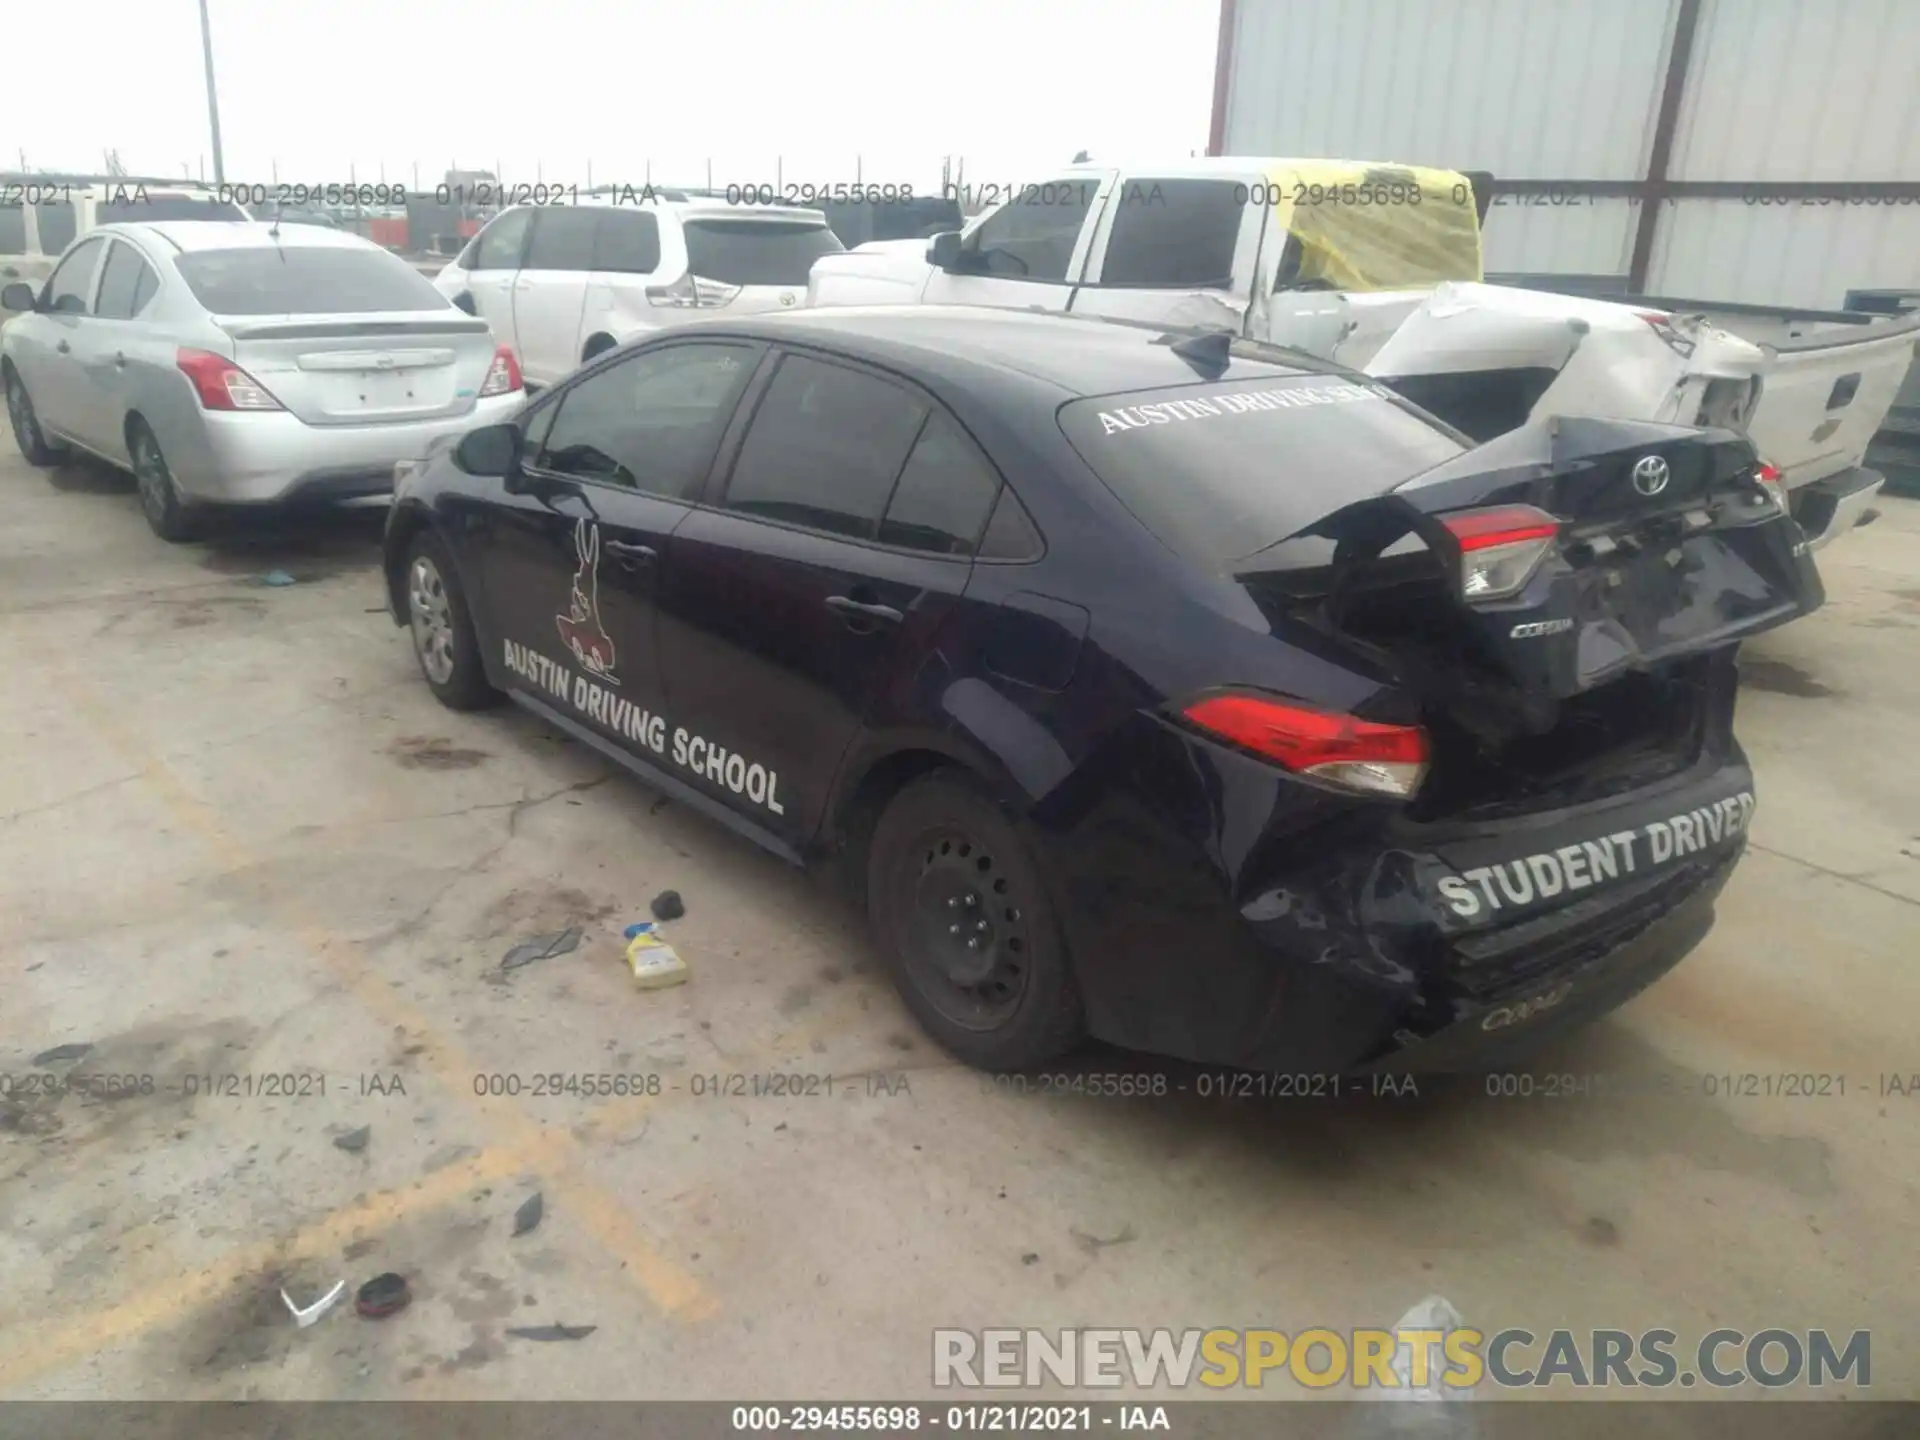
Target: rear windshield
[[305, 280], [170, 207], [756, 252], [1222, 471]]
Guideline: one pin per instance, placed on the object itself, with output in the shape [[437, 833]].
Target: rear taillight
[[503, 376], [1500, 547], [1773, 485], [221, 384], [1354, 754], [690, 292]]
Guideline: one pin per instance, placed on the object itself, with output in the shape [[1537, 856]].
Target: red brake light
[[503, 375], [1355, 754], [221, 384], [1500, 547]]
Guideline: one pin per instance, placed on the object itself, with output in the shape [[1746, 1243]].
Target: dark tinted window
[[534, 436], [1173, 232], [305, 280], [13, 229], [1220, 471], [500, 244], [627, 242], [124, 208], [71, 287], [756, 252], [651, 421], [562, 239], [1032, 236], [825, 448], [943, 496], [1011, 534], [57, 223], [144, 287], [120, 289]]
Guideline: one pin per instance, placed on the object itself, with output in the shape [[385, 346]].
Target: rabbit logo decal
[[580, 628]]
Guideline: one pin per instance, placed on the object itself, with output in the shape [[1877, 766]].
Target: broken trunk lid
[[1629, 544]]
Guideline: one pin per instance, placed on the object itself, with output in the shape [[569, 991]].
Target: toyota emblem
[[1650, 475]]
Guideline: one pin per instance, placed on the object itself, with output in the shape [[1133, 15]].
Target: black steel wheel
[[959, 911]]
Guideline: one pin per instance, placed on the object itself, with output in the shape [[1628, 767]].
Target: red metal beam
[[1222, 74]]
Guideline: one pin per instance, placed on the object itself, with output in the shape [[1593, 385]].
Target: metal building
[[1763, 151]]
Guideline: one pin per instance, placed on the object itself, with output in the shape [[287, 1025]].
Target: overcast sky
[[314, 87]]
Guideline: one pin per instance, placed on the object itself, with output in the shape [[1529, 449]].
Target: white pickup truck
[[1378, 267]]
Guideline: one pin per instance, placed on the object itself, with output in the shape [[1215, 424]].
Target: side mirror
[[490, 450], [944, 252], [16, 297]]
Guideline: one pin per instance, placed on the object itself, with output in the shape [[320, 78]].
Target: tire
[[27, 433], [168, 516], [946, 860], [441, 628]]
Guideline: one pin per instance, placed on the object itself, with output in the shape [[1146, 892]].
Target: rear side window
[[500, 244], [825, 448], [562, 239], [756, 252], [305, 280], [627, 242], [944, 494], [1221, 471], [121, 294], [13, 229], [1174, 232], [71, 288]]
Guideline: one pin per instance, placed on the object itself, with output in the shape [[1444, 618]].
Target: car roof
[[1075, 355], [238, 234]]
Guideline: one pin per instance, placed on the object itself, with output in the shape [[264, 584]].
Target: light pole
[[213, 104]]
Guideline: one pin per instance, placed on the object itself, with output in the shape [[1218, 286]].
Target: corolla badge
[[1650, 475]]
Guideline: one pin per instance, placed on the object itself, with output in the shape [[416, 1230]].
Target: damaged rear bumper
[[1827, 509]]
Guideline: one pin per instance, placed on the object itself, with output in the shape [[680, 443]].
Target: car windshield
[[757, 252], [1221, 471], [305, 280]]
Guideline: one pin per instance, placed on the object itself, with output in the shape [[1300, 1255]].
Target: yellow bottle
[[653, 961]]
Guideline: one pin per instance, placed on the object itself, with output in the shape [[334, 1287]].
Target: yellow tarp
[[1377, 227]]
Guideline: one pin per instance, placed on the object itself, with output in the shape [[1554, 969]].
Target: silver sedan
[[242, 363]]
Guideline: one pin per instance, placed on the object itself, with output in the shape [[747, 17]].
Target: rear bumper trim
[[1829, 508]]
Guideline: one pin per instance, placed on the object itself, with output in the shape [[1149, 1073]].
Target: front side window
[[650, 422], [1033, 235], [70, 290], [826, 445], [501, 243], [126, 284]]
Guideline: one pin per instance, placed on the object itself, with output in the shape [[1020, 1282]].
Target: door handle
[[64, 348], [848, 606], [638, 554]]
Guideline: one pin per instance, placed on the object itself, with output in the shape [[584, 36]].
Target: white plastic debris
[[1435, 1313], [311, 1315]]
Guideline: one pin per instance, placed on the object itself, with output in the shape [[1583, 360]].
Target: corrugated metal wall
[[1776, 91]]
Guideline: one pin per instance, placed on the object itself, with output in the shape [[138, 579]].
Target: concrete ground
[[238, 838]]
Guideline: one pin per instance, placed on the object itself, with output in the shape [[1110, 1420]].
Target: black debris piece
[[551, 1332], [529, 1213], [61, 1053], [354, 1141], [382, 1295], [667, 905], [541, 947]]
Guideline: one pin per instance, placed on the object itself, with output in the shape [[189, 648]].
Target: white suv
[[561, 283]]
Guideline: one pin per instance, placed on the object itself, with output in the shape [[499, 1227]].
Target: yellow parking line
[[33, 1350], [611, 1224]]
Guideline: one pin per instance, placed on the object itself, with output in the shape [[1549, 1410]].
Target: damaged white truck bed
[[1378, 267]]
